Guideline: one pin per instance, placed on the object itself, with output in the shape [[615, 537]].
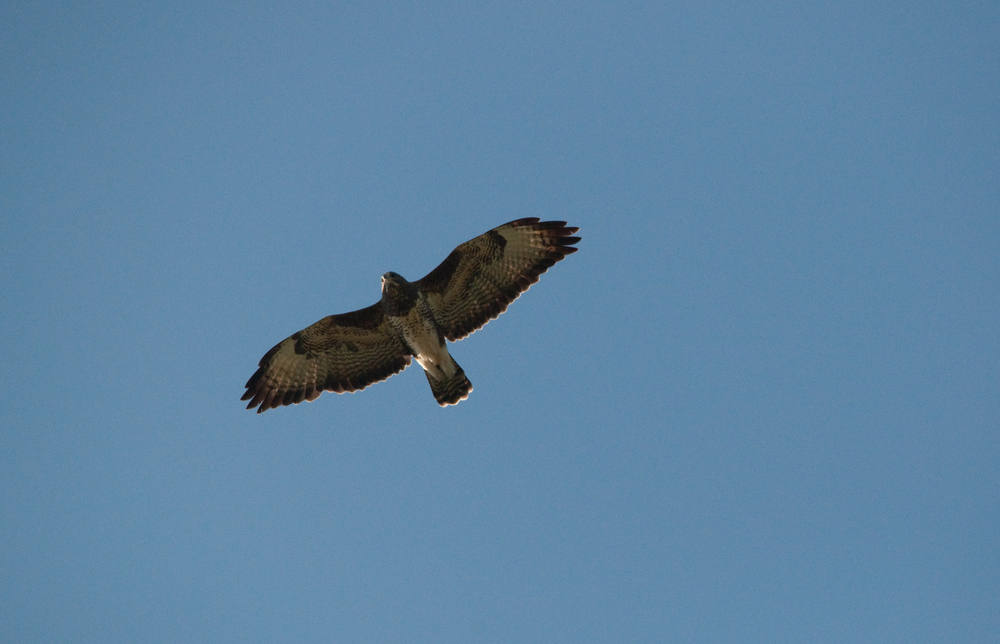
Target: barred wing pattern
[[481, 277], [345, 352]]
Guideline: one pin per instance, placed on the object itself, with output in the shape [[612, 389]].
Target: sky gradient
[[759, 404]]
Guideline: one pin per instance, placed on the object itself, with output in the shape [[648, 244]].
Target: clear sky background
[[760, 404]]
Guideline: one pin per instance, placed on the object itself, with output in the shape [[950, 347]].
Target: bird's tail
[[452, 389]]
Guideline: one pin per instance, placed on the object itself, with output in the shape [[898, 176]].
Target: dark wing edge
[[480, 278], [340, 353]]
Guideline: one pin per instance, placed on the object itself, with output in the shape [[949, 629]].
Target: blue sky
[[760, 404]]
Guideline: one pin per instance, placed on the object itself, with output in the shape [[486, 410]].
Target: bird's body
[[350, 351], [411, 317]]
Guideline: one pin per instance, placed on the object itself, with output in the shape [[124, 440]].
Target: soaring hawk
[[350, 351]]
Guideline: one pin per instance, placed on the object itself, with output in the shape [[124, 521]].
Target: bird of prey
[[473, 285]]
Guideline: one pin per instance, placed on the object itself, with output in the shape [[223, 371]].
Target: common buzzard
[[350, 351]]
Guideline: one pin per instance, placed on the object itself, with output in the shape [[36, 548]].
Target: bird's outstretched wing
[[339, 353], [481, 277]]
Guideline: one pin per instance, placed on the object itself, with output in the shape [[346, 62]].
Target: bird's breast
[[421, 333]]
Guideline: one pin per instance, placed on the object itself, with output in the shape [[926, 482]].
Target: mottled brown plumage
[[473, 285]]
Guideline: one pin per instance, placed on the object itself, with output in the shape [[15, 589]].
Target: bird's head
[[398, 295], [392, 282]]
